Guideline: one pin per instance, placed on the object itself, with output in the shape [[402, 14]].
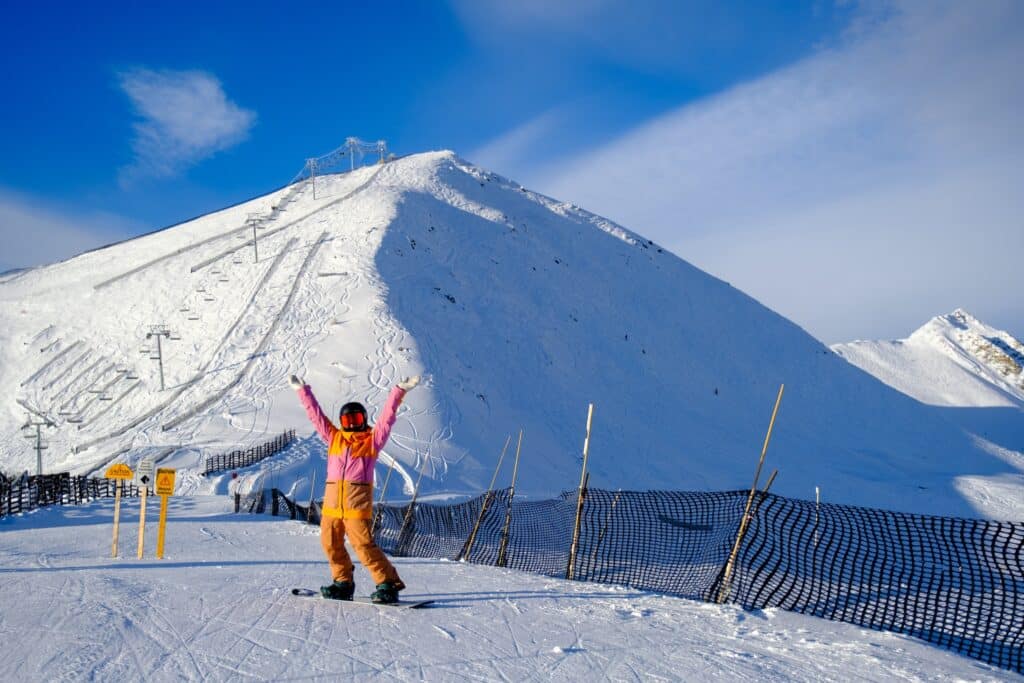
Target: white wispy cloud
[[184, 117], [511, 151], [859, 191], [494, 17], [34, 232]]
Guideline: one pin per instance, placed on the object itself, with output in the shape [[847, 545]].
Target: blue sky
[[797, 150]]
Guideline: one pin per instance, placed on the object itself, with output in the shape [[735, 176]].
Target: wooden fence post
[[570, 568], [467, 547], [724, 589], [506, 530]]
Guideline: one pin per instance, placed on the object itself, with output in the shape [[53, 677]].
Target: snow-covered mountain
[[518, 310], [952, 360], [971, 372]]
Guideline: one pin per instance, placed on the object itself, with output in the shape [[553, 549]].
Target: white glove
[[409, 382], [295, 382]]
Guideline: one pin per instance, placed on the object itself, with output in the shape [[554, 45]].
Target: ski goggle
[[353, 420]]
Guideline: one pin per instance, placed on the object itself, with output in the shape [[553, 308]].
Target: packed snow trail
[[218, 607]]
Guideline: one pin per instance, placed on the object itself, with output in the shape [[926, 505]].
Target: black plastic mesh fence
[[249, 456], [29, 493], [957, 583]]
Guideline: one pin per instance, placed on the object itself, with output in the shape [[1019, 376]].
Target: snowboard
[[409, 604]]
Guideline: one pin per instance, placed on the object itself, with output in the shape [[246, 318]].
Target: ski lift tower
[[38, 422], [357, 146], [160, 331], [255, 221]]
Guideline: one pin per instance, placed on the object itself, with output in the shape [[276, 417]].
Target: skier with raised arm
[[348, 497]]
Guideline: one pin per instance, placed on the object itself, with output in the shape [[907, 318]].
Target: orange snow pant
[[350, 514]]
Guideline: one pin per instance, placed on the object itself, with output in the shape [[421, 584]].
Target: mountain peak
[[962, 318], [952, 360], [498, 296]]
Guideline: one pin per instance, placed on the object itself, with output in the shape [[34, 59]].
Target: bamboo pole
[[817, 509], [764, 494], [503, 546], [723, 592], [571, 564], [142, 521], [117, 515], [467, 547]]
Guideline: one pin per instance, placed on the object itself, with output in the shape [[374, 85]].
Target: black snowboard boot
[[386, 592], [339, 590]]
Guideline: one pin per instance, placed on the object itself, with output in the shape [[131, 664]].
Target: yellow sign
[[119, 471], [164, 488], [165, 482]]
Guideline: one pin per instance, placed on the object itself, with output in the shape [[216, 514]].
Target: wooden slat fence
[[30, 493], [250, 456]]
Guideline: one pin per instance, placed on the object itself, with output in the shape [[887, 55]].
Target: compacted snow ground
[[218, 607]]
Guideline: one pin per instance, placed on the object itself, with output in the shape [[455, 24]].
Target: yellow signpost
[[164, 488], [118, 473]]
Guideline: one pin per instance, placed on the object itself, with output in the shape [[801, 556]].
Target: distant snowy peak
[[995, 354], [952, 360], [997, 351]]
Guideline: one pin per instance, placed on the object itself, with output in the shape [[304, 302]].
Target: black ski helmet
[[353, 417]]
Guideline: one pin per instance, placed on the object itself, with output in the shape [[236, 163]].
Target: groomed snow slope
[[218, 608], [517, 309]]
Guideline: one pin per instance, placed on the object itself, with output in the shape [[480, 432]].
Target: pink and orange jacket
[[352, 455]]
